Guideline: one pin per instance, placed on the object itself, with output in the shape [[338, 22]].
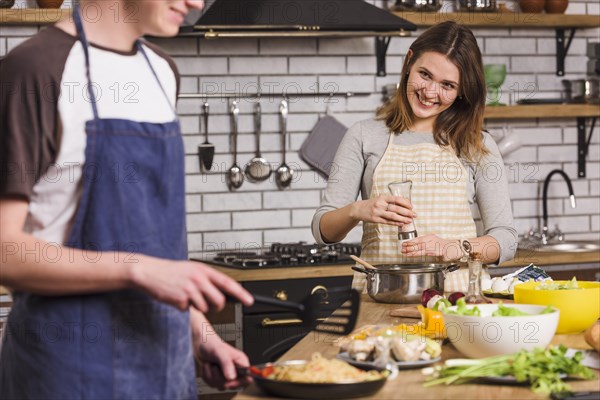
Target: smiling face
[[162, 17], [432, 87]]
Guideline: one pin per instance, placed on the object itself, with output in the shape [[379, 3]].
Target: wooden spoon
[[362, 262]]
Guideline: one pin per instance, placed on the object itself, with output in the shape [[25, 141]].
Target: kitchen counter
[[409, 383], [522, 258]]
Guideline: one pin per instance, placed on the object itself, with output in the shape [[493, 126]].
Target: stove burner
[[257, 262], [290, 254], [231, 257]]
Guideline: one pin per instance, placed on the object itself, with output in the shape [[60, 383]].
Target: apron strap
[[86, 52], [141, 49], [84, 43]]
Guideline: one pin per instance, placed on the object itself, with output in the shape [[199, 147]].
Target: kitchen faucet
[[545, 235], [556, 233]]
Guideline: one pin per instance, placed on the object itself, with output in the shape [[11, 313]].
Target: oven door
[[268, 332], [268, 336]]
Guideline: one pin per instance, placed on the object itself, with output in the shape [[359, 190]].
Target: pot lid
[[402, 268]]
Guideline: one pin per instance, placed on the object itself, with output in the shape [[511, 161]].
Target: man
[[92, 217]]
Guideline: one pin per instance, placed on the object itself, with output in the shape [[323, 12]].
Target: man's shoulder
[[38, 57], [163, 54]]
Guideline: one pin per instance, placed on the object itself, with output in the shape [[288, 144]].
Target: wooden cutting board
[[405, 312]]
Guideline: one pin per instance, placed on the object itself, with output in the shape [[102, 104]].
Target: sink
[[561, 247]]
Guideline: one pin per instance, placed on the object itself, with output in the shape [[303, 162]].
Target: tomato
[[267, 371]]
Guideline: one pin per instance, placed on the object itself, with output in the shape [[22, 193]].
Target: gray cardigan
[[361, 150]]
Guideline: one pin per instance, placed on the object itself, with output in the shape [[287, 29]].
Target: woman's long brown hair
[[459, 126]]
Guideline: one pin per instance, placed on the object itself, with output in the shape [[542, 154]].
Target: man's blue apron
[[120, 345]]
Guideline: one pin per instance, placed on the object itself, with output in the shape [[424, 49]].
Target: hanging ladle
[[235, 175], [258, 169], [284, 173]]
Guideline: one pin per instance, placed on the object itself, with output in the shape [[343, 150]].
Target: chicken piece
[[361, 350], [407, 350]]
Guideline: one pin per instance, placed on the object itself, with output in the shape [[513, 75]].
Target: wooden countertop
[[526, 257], [522, 258], [409, 383]]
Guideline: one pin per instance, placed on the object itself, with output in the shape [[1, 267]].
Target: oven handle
[[266, 322]]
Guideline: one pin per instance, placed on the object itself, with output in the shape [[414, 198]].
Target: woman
[[92, 216], [430, 134]]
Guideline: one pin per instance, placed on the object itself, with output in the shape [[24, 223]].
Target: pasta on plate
[[322, 370]]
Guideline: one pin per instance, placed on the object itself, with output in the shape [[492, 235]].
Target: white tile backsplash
[[503, 45], [216, 221], [261, 219], [258, 214], [201, 66], [232, 201], [258, 65]]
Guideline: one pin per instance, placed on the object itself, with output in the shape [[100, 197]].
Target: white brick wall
[[258, 213]]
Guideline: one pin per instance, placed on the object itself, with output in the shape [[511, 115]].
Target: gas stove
[[289, 255]]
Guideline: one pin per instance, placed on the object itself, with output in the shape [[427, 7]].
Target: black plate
[[314, 390], [367, 365]]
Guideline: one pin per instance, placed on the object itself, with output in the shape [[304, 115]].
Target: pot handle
[[361, 270], [451, 268]]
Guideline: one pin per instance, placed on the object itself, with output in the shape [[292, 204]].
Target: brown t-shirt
[[44, 105]]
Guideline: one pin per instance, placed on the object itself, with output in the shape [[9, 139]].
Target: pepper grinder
[[474, 295], [402, 189]]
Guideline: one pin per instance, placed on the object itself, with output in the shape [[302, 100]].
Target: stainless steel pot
[[403, 283], [417, 5], [582, 90], [477, 5]]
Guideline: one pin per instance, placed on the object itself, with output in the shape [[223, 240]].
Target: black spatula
[[206, 151], [334, 311]]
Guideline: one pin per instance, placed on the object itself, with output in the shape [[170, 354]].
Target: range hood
[[235, 18]]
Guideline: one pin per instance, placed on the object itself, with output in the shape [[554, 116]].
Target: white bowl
[[487, 336]]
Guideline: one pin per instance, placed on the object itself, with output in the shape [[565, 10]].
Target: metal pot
[[417, 5], [477, 5], [582, 90], [403, 283]]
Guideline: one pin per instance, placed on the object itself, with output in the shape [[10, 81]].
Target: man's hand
[[185, 283], [218, 359]]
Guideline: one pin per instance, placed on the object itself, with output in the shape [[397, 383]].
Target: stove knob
[[281, 295], [316, 258], [332, 255], [285, 259], [301, 257]]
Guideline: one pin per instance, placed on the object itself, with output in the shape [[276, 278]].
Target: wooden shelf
[[542, 111], [502, 20], [32, 16], [41, 16]]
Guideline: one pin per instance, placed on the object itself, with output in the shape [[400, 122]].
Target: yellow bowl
[[579, 308]]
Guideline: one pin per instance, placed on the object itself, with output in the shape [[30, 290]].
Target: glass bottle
[[402, 189], [474, 295]]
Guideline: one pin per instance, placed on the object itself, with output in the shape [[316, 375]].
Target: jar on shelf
[[49, 3], [532, 6], [556, 6], [7, 3]]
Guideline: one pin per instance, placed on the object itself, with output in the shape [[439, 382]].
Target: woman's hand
[[384, 209], [432, 245], [185, 283]]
